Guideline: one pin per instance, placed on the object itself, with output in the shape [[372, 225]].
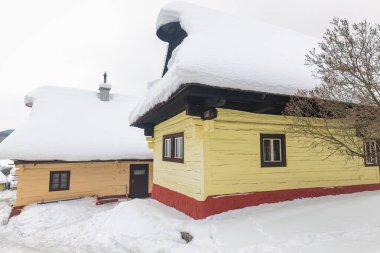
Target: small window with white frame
[[273, 150], [173, 148], [372, 153]]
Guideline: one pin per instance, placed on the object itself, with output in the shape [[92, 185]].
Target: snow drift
[[345, 223]]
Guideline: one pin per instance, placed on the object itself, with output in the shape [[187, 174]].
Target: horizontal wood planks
[[87, 179], [232, 158], [222, 156], [186, 177]]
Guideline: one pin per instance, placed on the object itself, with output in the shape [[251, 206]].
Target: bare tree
[[343, 111]]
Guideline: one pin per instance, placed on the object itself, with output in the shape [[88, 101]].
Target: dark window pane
[[368, 152], [276, 150], [59, 181], [267, 150], [55, 186], [64, 180], [371, 149], [64, 175]]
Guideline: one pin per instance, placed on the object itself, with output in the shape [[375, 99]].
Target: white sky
[[72, 42]]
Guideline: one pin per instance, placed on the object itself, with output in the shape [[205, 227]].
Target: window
[[139, 172], [372, 153], [168, 148], [178, 147], [273, 150], [173, 148], [59, 180]]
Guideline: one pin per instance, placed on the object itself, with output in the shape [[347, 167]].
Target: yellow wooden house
[[214, 120], [79, 143]]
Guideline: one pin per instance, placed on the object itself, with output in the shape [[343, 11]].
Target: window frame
[[282, 162], [172, 138], [377, 146], [59, 187]]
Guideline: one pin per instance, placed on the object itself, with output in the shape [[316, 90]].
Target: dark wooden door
[[139, 180]]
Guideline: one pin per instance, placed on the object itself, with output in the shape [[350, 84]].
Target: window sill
[[371, 165], [60, 190], [273, 164], [173, 160]]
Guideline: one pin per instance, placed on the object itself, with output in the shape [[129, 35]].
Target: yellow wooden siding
[[187, 177], [233, 165], [222, 156], [86, 179]]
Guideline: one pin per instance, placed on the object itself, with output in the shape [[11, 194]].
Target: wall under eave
[[231, 145], [222, 156], [186, 178]]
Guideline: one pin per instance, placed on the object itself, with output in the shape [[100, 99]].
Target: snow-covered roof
[[3, 178], [74, 125], [228, 51], [6, 163]]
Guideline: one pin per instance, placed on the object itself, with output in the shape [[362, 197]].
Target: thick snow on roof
[[74, 125], [6, 163], [227, 51]]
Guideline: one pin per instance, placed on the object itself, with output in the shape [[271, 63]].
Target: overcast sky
[[72, 42]]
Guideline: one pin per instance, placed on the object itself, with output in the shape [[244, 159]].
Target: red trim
[[16, 210], [218, 204]]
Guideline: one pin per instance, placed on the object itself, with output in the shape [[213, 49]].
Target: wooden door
[[139, 180]]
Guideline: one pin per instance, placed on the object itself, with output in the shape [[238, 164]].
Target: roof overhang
[[195, 99], [17, 162]]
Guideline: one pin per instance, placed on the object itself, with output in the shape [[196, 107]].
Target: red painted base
[[218, 204], [16, 210]]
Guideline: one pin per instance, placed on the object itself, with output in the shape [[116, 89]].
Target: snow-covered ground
[[347, 223], [6, 200]]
